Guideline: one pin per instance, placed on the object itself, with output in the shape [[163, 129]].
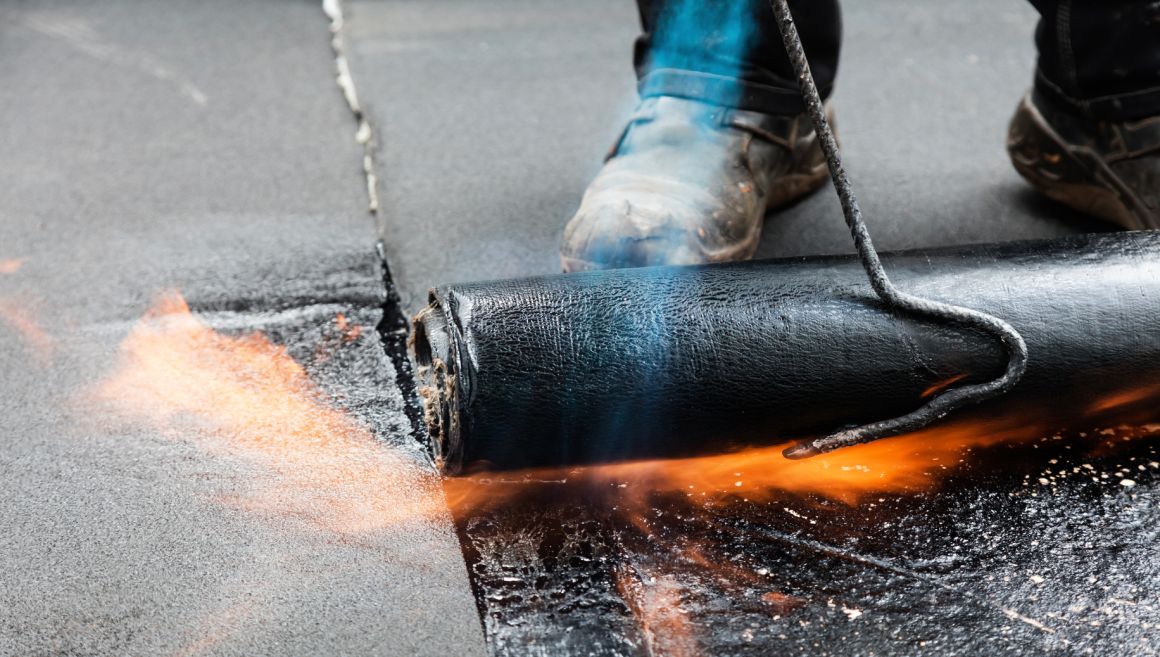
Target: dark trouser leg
[[729, 52], [1100, 57]]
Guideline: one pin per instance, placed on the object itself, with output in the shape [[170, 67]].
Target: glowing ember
[[942, 385], [1124, 399], [258, 406], [782, 603]]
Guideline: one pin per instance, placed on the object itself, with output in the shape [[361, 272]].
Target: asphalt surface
[[493, 117], [150, 146]]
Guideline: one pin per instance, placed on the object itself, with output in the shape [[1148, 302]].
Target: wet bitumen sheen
[[492, 118], [1030, 549]]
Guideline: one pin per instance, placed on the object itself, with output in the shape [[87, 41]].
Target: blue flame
[[706, 36]]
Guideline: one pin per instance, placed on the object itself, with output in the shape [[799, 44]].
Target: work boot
[[1107, 169], [688, 183]]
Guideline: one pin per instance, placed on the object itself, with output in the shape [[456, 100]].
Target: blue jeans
[[1099, 57]]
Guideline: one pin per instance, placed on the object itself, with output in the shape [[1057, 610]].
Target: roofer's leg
[[717, 139], [1088, 133]]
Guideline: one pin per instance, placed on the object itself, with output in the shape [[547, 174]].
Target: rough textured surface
[[494, 117], [204, 147], [670, 361], [1027, 549]]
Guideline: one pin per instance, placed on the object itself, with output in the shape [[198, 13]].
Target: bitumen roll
[[674, 361]]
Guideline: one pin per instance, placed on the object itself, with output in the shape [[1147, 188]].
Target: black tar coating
[[1029, 549], [671, 361]]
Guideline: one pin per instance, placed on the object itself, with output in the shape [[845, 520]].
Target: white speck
[[1127, 483], [972, 58], [737, 483], [1043, 481], [762, 571], [1038, 579], [852, 614]]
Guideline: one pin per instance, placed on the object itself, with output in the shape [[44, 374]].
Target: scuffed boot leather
[[1106, 169], [689, 183]]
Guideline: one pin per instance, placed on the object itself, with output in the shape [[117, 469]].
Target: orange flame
[[903, 464], [910, 463], [1124, 399], [258, 406]]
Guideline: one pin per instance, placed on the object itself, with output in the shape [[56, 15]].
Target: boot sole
[[1073, 175]]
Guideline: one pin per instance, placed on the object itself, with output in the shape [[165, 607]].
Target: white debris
[[1127, 483], [852, 614], [1014, 615], [1038, 579]]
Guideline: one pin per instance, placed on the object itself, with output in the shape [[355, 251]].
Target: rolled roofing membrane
[[674, 361]]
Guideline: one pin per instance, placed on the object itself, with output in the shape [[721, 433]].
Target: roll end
[[433, 350]]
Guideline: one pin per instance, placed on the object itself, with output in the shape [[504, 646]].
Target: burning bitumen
[[973, 538], [1033, 546], [1026, 525]]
